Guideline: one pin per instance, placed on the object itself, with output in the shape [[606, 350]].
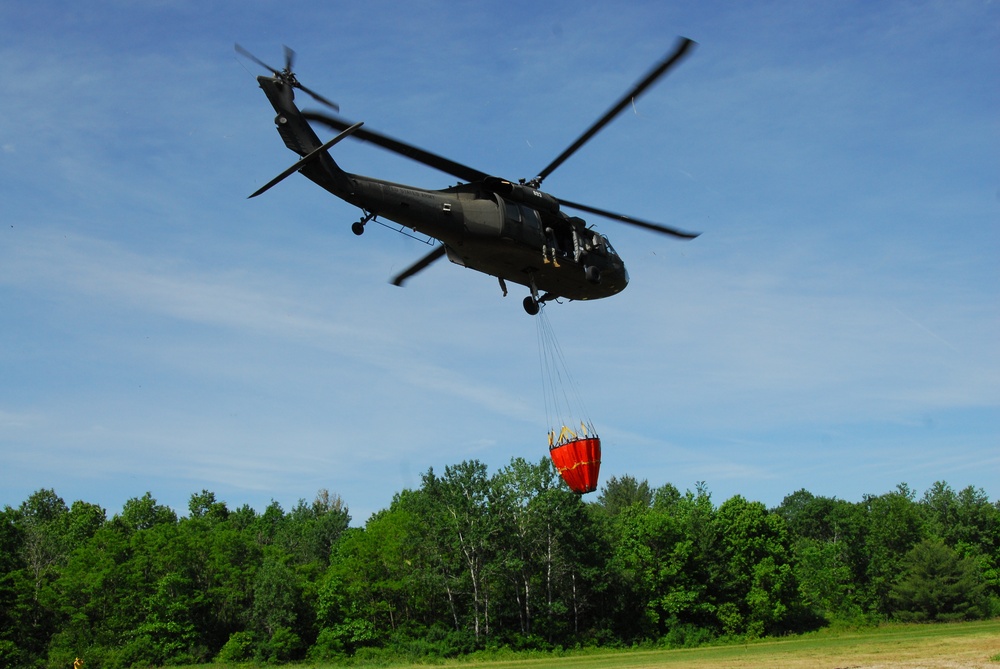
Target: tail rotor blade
[[246, 54], [287, 75]]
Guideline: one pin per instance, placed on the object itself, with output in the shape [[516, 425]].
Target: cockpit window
[[607, 245]]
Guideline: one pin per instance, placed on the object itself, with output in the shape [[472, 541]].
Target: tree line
[[470, 561]]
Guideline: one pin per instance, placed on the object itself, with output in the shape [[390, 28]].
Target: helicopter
[[507, 229]]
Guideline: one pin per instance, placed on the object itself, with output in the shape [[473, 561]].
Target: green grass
[[945, 645]]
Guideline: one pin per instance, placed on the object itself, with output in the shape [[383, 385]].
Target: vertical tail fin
[[298, 135]]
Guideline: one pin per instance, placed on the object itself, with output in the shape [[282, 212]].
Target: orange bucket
[[579, 463]]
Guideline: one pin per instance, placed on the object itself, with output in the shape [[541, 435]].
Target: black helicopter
[[510, 230]]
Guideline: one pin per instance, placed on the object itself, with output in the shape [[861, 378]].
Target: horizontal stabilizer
[[312, 155]]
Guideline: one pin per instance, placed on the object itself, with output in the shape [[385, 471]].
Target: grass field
[[971, 645], [940, 646]]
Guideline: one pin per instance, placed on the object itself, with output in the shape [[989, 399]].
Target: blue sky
[[835, 327]]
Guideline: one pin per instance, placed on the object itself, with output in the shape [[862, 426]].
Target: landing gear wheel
[[531, 305], [358, 227]]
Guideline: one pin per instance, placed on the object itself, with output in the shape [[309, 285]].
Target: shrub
[[241, 647]]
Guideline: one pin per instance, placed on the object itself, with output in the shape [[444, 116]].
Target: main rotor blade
[[463, 172], [682, 48], [421, 264], [655, 227]]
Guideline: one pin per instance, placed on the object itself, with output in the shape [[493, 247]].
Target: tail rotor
[[288, 76]]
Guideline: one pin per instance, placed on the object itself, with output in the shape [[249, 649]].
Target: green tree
[[460, 519], [827, 537], [43, 544], [895, 525], [44, 519], [696, 597], [617, 494], [204, 505], [98, 598], [758, 585], [142, 513], [332, 518], [16, 593], [650, 552], [276, 604], [373, 570], [968, 523], [543, 558], [520, 538], [230, 559], [440, 569], [826, 583], [135, 592], [396, 580], [662, 567], [936, 584], [468, 561], [308, 531]]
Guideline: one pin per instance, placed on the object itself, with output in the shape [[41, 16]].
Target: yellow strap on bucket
[[566, 435]]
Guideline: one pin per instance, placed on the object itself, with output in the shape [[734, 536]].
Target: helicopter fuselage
[[485, 231]]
